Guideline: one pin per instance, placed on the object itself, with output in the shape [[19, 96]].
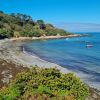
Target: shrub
[[45, 83]]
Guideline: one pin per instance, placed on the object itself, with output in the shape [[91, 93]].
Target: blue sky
[[57, 11]]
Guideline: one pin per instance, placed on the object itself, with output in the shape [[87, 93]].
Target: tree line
[[22, 25]]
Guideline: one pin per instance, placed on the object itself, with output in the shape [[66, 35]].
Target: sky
[[67, 14]]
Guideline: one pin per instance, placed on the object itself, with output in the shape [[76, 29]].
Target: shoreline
[[11, 51], [47, 37], [20, 57], [14, 52], [11, 54], [83, 77]]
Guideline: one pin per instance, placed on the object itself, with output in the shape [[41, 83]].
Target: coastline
[[46, 37], [12, 52]]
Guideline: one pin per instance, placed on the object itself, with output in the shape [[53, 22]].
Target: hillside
[[22, 25]]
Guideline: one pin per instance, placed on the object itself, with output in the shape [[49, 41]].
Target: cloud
[[79, 27]]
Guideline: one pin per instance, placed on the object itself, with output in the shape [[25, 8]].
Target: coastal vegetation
[[22, 25], [44, 84], [37, 83]]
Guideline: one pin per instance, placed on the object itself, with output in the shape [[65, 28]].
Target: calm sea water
[[81, 55]]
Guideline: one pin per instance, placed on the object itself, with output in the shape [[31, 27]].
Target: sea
[[80, 55]]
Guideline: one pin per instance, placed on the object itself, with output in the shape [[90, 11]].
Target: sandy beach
[[47, 37], [14, 59], [13, 51], [12, 54]]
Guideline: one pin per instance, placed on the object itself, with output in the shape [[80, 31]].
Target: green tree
[[40, 22], [1, 24], [6, 33], [1, 12]]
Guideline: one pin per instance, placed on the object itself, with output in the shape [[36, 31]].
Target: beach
[[13, 59], [12, 51], [13, 54]]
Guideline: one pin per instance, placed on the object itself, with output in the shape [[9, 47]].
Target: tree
[[1, 24], [1, 12], [42, 26], [13, 14], [16, 34], [6, 33], [40, 22]]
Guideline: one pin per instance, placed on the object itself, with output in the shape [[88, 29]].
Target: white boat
[[67, 38], [89, 45]]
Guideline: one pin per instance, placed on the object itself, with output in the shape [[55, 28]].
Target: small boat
[[67, 38], [89, 45]]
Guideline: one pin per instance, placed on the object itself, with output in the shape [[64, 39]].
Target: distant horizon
[[79, 27]]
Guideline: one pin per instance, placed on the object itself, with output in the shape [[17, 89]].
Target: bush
[[45, 83], [6, 33]]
